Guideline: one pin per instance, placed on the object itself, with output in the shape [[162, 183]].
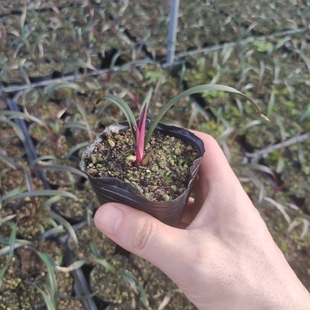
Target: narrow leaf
[[2, 272], [47, 300], [48, 203], [76, 265], [199, 89], [44, 159], [76, 148], [50, 265], [280, 207], [7, 218], [10, 163], [129, 278], [66, 224], [12, 239], [16, 128], [105, 264], [126, 110], [51, 88], [22, 115], [58, 167], [6, 249], [37, 193], [12, 193], [85, 118]]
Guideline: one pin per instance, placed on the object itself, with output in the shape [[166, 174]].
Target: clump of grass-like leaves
[[138, 128]]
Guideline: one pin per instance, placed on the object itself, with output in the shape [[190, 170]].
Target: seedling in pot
[[145, 164], [138, 129]]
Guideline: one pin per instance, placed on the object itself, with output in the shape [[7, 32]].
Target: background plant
[[48, 68]]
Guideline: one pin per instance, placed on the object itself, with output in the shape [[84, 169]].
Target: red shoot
[[140, 134]]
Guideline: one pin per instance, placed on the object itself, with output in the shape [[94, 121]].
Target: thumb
[[143, 235]]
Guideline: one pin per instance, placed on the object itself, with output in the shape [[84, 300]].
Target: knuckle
[[144, 235]]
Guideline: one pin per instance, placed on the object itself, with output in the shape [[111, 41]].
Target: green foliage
[[154, 76], [214, 94], [272, 67], [214, 89], [262, 46], [193, 90], [306, 170]]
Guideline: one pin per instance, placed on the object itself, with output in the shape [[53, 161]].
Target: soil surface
[[163, 174]]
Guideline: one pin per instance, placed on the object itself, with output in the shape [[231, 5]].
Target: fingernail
[[108, 218]]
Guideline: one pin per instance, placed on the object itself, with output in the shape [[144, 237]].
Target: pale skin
[[222, 256]]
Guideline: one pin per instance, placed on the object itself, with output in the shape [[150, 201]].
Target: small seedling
[[138, 128]]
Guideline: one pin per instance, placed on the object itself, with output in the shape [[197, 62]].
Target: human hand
[[222, 256]]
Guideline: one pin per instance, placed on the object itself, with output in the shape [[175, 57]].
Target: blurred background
[[57, 58]]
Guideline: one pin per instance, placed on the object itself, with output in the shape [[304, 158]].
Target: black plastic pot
[[114, 190]]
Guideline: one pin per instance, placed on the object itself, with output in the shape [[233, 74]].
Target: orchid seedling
[[138, 129]]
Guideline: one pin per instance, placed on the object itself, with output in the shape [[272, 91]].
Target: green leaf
[[49, 192], [12, 193], [104, 263], [7, 218], [16, 128], [304, 115], [48, 203], [58, 167], [51, 298], [85, 118], [280, 207], [126, 110], [12, 240], [66, 224], [20, 243], [76, 148], [10, 163], [2, 272], [55, 231], [17, 114], [76, 265], [305, 59], [47, 300], [250, 124], [198, 89], [43, 158], [129, 278], [50, 89]]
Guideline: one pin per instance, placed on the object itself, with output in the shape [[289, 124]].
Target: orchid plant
[[138, 128]]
